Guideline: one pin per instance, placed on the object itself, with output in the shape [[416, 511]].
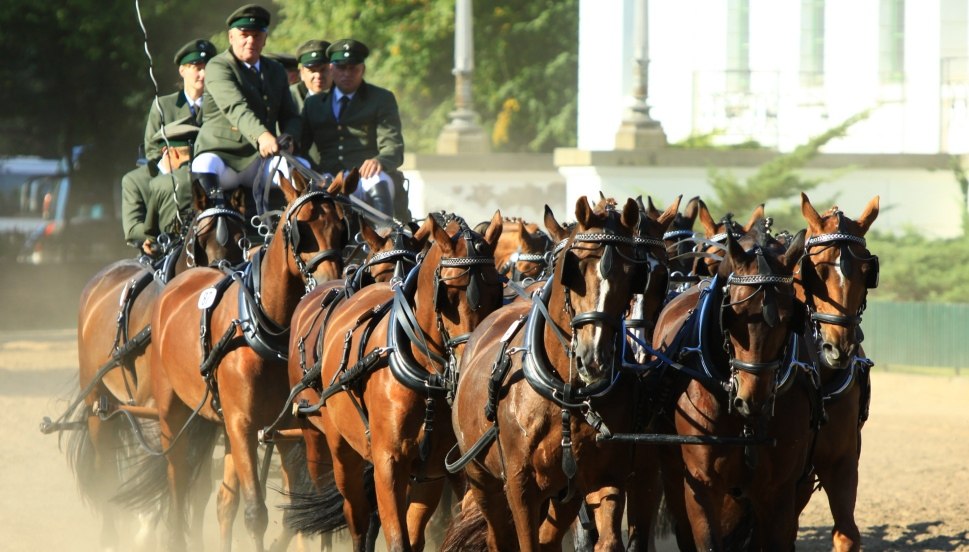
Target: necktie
[[344, 101]]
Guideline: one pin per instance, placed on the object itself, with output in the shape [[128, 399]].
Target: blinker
[[221, 232], [606, 262], [474, 292]]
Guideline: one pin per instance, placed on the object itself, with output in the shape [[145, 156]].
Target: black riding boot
[[210, 183], [379, 198]]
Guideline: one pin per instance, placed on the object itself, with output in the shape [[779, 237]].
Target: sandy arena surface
[[914, 491]]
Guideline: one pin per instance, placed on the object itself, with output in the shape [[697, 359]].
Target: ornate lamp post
[[462, 134], [638, 130]]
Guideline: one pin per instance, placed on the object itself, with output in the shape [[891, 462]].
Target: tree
[[776, 180], [526, 54]]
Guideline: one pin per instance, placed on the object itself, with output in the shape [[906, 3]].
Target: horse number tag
[[207, 298]]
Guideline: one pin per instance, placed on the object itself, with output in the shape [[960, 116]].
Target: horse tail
[[467, 531], [81, 457], [146, 485], [664, 524], [319, 511]]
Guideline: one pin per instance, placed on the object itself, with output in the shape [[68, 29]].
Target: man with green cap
[[246, 105], [314, 71], [168, 193], [356, 125], [184, 104]]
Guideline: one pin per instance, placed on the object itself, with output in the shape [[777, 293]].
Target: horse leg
[[703, 511], [423, 498], [526, 511], [295, 477], [608, 504], [227, 501], [840, 482], [348, 474], [173, 415], [492, 502], [391, 480], [556, 524], [643, 495], [244, 452], [201, 492]]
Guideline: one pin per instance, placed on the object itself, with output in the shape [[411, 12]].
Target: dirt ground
[[912, 496]]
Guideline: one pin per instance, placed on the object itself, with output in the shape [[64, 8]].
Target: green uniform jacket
[[299, 92], [162, 208], [239, 105], [134, 203], [175, 106], [370, 128]]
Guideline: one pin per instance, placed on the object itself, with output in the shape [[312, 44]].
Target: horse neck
[[426, 313], [561, 319], [282, 285]]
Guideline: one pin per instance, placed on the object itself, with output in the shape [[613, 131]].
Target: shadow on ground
[[922, 536]]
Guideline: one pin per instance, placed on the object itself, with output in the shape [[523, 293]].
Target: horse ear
[[809, 212], [794, 251], [493, 232], [423, 233], [370, 236], [200, 199], [289, 190], [441, 238], [299, 181], [735, 255], [709, 225], [869, 215], [345, 184], [754, 217], [237, 200], [651, 209], [666, 218], [630, 216], [555, 229], [691, 209], [583, 212]]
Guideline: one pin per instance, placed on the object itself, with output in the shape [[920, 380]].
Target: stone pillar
[[638, 130], [462, 134]]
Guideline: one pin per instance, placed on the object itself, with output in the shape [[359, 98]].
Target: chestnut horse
[[113, 344], [390, 255], [710, 247], [835, 276], [728, 345], [539, 383], [235, 373], [522, 250]]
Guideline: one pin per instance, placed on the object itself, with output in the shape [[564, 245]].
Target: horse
[[390, 254], [234, 373], [833, 281], [387, 362], [680, 242], [521, 253], [538, 384], [709, 248], [113, 349], [727, 346]]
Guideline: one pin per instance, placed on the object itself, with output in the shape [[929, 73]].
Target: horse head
[[835, 276], [457, 284], [314, 226], [522, 250], [217, 234], [715, 235], [595, 270], [678, 237], [391, 252], [757, 315]]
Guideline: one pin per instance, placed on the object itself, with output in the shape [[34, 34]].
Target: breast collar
[[263, 334]]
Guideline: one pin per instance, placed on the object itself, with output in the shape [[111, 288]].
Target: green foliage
[[915, 268], [776, 181], [524, 79]]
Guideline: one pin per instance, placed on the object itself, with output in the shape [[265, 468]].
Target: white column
[[638, 130], [462, 134]]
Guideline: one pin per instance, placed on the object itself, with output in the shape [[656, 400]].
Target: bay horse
[[233, 372], [728, 345], [680, 242], [387, 360], [710, 247], [538, 384], [114, 340], [834, 279]]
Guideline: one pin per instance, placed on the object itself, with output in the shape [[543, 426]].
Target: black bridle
[[221, 214], [292, 236]]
